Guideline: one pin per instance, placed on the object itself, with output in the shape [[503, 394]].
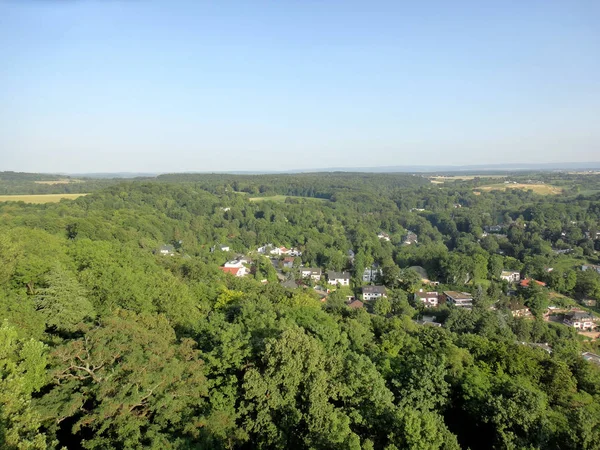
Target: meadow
[[542, 189], [42, 198]]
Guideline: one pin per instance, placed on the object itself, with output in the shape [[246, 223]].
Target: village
[[292, 274]]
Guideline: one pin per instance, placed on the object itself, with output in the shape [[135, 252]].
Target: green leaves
[[139, 378], [22, 372]]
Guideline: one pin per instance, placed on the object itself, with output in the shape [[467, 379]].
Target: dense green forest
[[105, 342]]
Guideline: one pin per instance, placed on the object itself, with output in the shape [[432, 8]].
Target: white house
[[373, 292], [459, 299], [312, 273], [580, 320], [512, 276], [384, 236], [590, 267], [430, 299], [341, 278], [234, 263], [167, 250], [372, 274], [264, 249], [224, 248]]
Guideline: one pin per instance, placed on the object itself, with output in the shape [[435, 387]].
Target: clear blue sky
[[296, 84]]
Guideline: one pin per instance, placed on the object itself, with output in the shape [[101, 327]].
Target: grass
[[442, 179], [62, 181], [42, 198], [282, 198], [542, 189]]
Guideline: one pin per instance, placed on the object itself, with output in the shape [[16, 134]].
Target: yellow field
[[62, 181], [542, 189], [43, 198]]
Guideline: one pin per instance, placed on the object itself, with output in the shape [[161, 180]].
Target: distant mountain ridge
[[510, 167]]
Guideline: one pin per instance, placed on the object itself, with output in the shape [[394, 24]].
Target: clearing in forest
[[42, 198], [441, 179], [281, 198], [542, 189], [61, 181]]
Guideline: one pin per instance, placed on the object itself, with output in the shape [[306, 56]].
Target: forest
[[120, 328]]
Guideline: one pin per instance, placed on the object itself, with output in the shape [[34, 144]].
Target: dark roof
[[374, 290], [335, 275], [290, 284], [578, 315]]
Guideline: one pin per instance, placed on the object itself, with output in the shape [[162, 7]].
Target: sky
[[174, 85]]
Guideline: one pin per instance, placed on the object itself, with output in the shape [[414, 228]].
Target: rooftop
[[526, 281], [458, 295], [338, 275], [374, 290]]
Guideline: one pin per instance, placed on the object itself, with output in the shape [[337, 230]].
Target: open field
[[62, 181], [43, 198], [542, 189], [442, 179], [281, 198]]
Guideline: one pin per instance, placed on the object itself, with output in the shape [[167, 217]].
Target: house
[[264, 249], [224, 248], [519, 310], [166, 250], [493, 229], [288, 262], [225, 209], [590, 267], [236, 263], [430, 299], [512, 276], [429, 320], [372, 274], [410, 238], [384, 236], [525, 283], [373, 292], [589, 302], [312, 273], [290, 284], [235, 271], [580, 320], [294, 252], [459, 299], [341, 278], [355, 304], [591, 357]]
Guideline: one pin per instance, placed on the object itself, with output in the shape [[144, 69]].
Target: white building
[[341, 278], [580, 320], [373, 292], [372, 274], [459, 299], [312, 273], [511, 276], [430, 299]]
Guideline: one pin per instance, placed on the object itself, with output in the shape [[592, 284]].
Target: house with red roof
[[235, 271], [525, 283]]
